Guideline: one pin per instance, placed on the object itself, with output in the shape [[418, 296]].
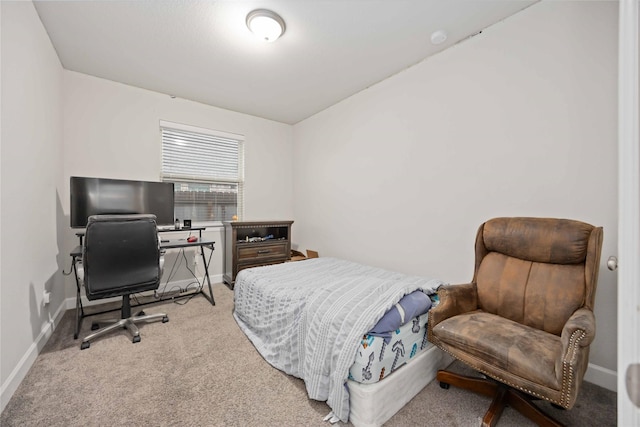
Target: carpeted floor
[[200, 370]]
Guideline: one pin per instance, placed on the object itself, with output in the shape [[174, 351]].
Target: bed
[[311, 319]]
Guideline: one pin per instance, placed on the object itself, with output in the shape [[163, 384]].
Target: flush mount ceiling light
[[265, 24], [438, 37]]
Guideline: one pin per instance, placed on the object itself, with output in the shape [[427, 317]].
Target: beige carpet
[[200, 370]]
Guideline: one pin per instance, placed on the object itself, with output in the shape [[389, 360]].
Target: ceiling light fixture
[[265, 24], [438, 37]]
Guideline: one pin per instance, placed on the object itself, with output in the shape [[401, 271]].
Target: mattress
[[378, 358], [307, 318]]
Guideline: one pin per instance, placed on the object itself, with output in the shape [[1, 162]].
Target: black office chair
[[121, 256]]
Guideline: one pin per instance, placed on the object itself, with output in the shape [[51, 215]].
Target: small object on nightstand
[[186, 223], [192, 239]]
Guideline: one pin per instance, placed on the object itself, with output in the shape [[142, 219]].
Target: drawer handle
[[264, 251]]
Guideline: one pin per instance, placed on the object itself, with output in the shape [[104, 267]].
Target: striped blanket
[[306, 318]]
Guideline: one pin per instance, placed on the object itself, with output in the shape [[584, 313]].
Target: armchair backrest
[[537, 271], [121, 255]]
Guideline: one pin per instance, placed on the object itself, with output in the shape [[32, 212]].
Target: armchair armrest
[[454, 300], [582, 321], [578, 333]]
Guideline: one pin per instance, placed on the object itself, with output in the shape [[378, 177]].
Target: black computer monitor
[[100, 196]]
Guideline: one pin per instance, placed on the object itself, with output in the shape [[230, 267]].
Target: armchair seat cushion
[[511, 348]]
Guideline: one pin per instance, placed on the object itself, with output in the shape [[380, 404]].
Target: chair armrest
[[454, 300], [584, 323], [578, 333]]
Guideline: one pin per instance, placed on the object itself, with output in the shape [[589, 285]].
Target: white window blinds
[[206, 167]]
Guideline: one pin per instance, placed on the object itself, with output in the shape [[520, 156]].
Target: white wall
[[517, 121], [31, 177], [112, 130], [57, 124]]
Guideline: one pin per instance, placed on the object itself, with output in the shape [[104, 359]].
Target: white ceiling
[[202, 50]]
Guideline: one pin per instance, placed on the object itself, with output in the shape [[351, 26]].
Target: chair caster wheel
[[95, 326], [444, 385], [136, 339], [165, 319], [85, 345]]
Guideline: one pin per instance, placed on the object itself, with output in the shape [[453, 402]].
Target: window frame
[[176, 177]]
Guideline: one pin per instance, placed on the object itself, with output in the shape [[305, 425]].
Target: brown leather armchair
[[526, 320]]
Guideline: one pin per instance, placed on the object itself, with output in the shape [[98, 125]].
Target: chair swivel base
[[129, 323], [502, 396]]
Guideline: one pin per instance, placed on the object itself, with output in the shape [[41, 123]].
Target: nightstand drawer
[[262, 251], [254, 243]]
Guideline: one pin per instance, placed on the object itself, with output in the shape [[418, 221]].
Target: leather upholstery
[[526, 319], [121, 255]]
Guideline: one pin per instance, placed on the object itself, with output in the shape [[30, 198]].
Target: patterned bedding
[[307, 318], [376, 359]]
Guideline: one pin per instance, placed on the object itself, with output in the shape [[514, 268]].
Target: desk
[[182, 243], [76, 255], [80, 234]]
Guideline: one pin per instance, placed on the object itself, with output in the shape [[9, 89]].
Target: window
[[207, 169]]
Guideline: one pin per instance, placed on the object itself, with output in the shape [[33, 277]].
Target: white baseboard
[[602, 376], [22, 368]]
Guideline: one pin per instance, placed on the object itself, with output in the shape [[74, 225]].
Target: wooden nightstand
[[253, 244]]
